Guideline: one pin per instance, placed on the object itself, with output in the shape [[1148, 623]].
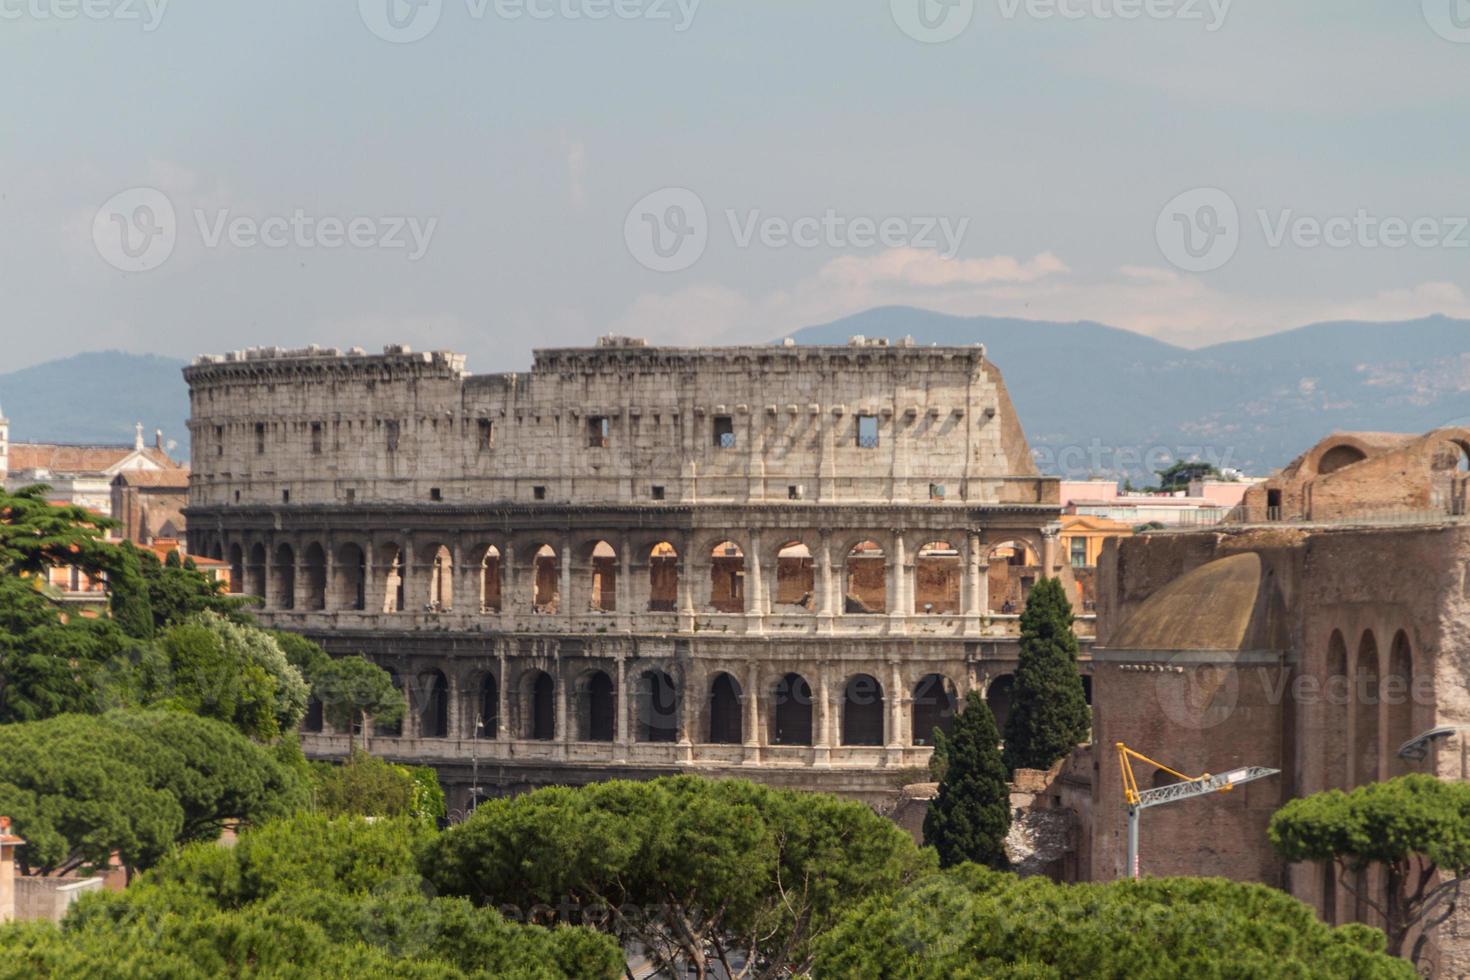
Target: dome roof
[[1209, 608]]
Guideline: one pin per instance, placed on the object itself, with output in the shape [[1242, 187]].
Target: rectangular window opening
[[658, 493], [316, 438], [538, 492], [435, 494], [260, 438], [867, 431], [487, 434], [599, 432], [724, 432], [390, 427]]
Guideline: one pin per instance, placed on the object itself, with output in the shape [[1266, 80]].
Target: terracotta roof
[[174, 479], [60, 458]]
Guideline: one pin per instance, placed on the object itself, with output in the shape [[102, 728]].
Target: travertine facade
[[784, 561]]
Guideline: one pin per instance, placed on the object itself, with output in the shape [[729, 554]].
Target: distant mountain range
[[1092, 398]]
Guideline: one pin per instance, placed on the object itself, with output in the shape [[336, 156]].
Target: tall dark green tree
[[970, 818], [1049, 714]]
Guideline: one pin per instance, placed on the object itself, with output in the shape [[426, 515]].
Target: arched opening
[[792, 714], [795, 576], [866, 589], [862, 711], [934, 708], [727, 578], [725, 719], [1398, 701], [658, 708], [315, 561], [597, 708], [663, 578], [283, 578], [603, 591], [392, 579], [392, 729], [937, 576], [1366, 703], [312, 723], [441, 581], [998, 697], [490, 581], [1336, 695], [237, 569], [1014, 569], [433, 704], [487, 725], [255, 574], [539, 707], [1338, 457], [546, 581], [349, 578]]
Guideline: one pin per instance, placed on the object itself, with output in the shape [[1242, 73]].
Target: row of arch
[[531, 708], [313, 580], [1369, 703]]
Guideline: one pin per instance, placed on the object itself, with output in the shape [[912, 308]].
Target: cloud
[[925, 267]]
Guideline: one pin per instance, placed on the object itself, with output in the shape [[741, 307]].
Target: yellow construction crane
[[1188, 786]]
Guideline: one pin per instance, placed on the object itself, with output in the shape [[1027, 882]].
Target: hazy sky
[[206, 175]]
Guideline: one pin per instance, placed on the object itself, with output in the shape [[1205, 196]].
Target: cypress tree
[[970, 818], [1049, 714]]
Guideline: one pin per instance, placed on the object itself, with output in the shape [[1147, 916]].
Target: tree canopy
[[1049, 716], [370, 787], [724, 876], [354, 690], [1416, 827], [972, 922], [971, 816]]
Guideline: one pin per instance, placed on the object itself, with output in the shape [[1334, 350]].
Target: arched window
[[663, 578], [792, 715], [998, 697], [433, 704], [488, 723], [392, 729], [867, 579], [546, 581], [937, 574], [1366, 701], [934, 708], [393, 579], [1336, 696], [316, 577], [1014, 568], [441, 581], [490, 581], [349, 578], [255, 574], [539, 707], [237, 569], [862, 711], [725, 720], [795, 576], [283, 578], [727, 578], [598, 710], [1398, 701], [312, 723], [603, 587], [658, 708]]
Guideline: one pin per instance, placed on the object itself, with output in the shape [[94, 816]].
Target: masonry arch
[[314, 563], [315, 718], [663, 578], [545, 580], [1339, 457], [1015, 566], [349, 578], [602, 585], [1398, 701], [255, 572], [596, 707], [796, 586], [490, 585], [862, 711], [432, 692], [237, 569], [938, 572], [865, 579], [487, 722], [441, 580], [726, 720], [934, 708], [791, 717], [393, 579], [1366, 701], [1336, 693], [538, 706], [727, 578], [391, 729], [658, 707], [998, 696], [283, 578]]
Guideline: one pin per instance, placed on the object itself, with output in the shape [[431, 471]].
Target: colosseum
[[787, 562]]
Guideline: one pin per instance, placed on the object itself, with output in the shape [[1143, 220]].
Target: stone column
[[502, 706], [509, 594], [454, 723], [898, 595], [624, 591], [754, 587], [686, 585], [1049, 550], [372, 582], [620, 721], [566, 581], [825, 584], [752, 735], [329, 565], [896, 698], [411, 715], [684, 714], [563, 727], [977, 586], [822, 741]]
